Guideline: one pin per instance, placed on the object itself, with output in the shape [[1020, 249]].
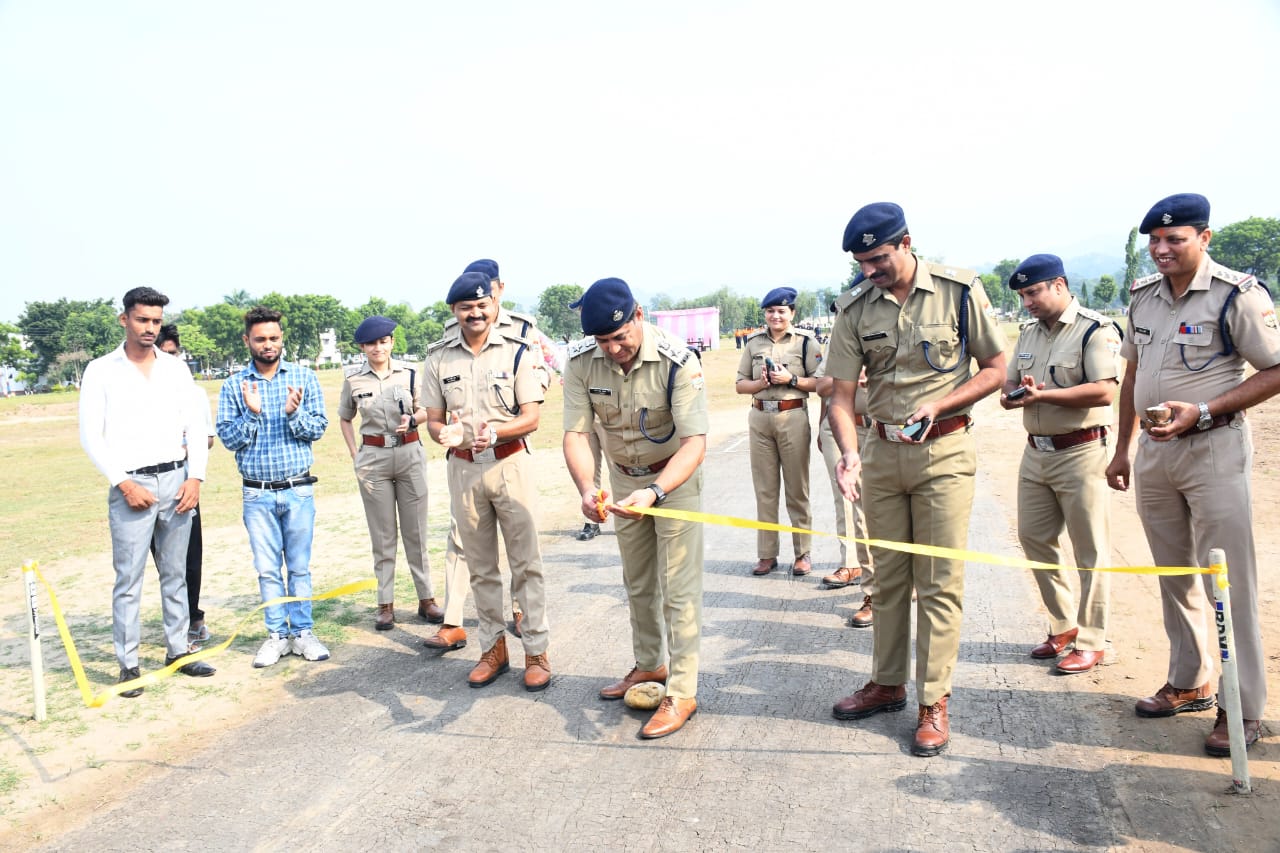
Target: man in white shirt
[[136, 404]]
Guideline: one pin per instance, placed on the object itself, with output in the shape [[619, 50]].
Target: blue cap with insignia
[[874, 225], [1178, 209], [606, 306], [373, 328], [470, 285], [484, 265], [785, 296], [1036, 269]]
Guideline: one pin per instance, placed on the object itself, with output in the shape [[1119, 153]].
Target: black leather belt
[[276, 485], [162, 468]]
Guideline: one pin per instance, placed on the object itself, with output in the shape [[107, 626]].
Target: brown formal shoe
[[1055, 644], [933, 731], [803, 565], [1080, 660], [537, 672], [864, 617], [672, 713], [843, 576], [871, 699], [1218, 743], [636, 676], [429, 610], [517, 623], [492, 664], [448, 638], [1170, 700], [765, 566], [386, 617]]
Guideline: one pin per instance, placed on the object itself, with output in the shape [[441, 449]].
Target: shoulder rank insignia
[[957, 274], [1146, 281], [677, 354], [577, 348]]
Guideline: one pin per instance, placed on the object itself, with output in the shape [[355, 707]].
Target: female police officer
[[390, 464]]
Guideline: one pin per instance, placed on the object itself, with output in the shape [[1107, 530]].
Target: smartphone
[[1017, 393], [769, 365], [917, 430]]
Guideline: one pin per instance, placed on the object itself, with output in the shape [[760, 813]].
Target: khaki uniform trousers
[[483, 495], [780, 453], [1194, 494], [393, 484], [662, 571], [1068, 488], [918, 493], [851, 520]]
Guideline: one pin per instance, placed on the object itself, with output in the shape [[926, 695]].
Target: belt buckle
[[893, 432], [769, 406], [392, 440], [486, 455], [1044, 442], [633, 471]]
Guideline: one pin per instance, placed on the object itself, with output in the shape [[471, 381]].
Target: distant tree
[[1104, 292], [197, 344], [95, 330], [1251, 245], [1132, 265], [555, 317], [43, 324], [807, 305], [12, 354], [1001, 295], [223, 325], [70, 364], [661, 302], [239, 299], [1085, 299]]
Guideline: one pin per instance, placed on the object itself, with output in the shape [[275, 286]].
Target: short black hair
[[260, 314], [168, 332], [144, 296]]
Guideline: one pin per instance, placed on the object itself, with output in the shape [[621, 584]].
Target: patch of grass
[[9, 777]]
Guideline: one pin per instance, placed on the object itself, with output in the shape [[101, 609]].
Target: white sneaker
[[275, 646], [309, 646]]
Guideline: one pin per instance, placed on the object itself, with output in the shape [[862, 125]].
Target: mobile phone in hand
[[1017, 393], [917, 430]]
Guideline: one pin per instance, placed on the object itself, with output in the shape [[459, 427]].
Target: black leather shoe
[[129, 675], [589, 531], [196, 669]]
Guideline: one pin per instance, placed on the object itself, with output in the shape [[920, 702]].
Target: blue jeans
[[280, 525]]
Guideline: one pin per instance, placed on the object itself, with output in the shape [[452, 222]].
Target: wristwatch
[[794, 380], [1206, 419], [657, 490]]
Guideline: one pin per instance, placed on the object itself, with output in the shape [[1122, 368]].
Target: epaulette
[[847, 298], [957, 274], [451, 322], [678, 354], [1242, 280], [804, 333], [1027, 324], [757, 333], [577, 348], [437, 345], [1096, 316], [521, 317], [1146, 281], [353, 371]]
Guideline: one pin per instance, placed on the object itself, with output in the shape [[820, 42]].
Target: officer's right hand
[[848, 473], [1119, 471], [136, 496], [591, 502]]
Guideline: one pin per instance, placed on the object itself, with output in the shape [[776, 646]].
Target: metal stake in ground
[[33, 635], [1230, 697]]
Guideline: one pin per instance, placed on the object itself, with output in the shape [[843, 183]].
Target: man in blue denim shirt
[[269, 414]]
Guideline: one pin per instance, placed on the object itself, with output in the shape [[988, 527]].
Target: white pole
[[33, 635], [1230, 697]]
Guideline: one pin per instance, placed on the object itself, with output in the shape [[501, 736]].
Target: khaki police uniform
[[780, 436], [1062, 482], [661, 557], [1193, 493], [392, 476], [488, 490], [456, 577], [916, 492]]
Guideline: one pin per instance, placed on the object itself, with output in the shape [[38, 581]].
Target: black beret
[[484, 265], [606, 306], [373, 328], [1179, 209], [874, 225], [1036, 269], [470, 285], [785, 296]]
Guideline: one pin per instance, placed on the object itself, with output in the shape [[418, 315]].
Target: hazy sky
[[377, 148]]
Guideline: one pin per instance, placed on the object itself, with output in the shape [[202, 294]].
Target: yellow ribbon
[[155, 677]]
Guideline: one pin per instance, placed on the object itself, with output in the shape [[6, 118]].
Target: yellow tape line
[[155, 677], [913, 548]]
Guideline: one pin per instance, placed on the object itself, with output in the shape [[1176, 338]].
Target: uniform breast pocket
[[502, 393], [606, 410], [935, 346], [1024, 363], [1199, 344], [455, 397], [654, 416], [1065, 371], [880, 350], [1141, 337]]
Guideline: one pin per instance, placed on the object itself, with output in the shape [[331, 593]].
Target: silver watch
[[1206, 419]]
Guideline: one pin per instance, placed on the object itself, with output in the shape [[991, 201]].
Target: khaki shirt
[[888, 339], [596, 387], [1176, 341], [380, 400], [860, 393], [487, 386], [1057, 357], [798, 352]]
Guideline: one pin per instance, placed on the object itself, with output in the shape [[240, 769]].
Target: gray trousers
[[131, 534]]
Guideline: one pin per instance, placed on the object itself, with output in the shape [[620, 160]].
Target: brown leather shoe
[[802, 566], [1055, 644], [864, 617], [871, 699], [492, 664], [843, 576], [537, 672], [933, 731], [429, 610], [1218, 743], [448, 638], [1170, 700], [765, 566], [1080, 660], [386, 617], [671, 715], [517, 623], [636, 676]]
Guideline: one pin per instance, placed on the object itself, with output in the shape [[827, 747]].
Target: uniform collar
[[1069, 314]]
